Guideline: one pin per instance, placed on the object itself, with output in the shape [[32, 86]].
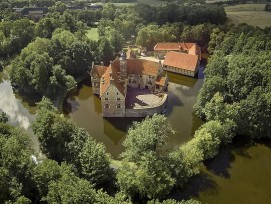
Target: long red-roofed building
[[181, 63], [181, 58], [161, 49]]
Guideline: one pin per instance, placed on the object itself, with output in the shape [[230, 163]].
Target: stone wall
[[113, 103], [143, 112], [181, 71]]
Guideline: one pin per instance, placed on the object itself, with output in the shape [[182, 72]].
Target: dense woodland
[[49, 56]]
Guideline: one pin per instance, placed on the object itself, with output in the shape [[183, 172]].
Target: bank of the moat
[[239, 174], [84, 108]]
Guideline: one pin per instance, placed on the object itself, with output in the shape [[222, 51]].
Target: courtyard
[[141, 98]]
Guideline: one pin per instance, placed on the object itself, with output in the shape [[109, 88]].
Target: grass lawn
[[252, 14], [92, 34]]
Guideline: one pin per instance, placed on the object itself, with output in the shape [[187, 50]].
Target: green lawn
[[252, 14], [92, 34]]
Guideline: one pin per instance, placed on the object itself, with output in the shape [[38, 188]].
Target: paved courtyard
[[139, 98]]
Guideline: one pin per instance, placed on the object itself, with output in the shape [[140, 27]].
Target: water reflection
[[239, 174], [15, 109], [85, 110], [18, 115]]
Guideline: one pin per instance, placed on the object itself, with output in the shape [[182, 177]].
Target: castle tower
[[123, 69]]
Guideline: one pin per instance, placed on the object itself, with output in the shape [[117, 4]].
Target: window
[[107, 93], [106, 106], [106, 99], [118, 106], [117, 99], [117, 93]]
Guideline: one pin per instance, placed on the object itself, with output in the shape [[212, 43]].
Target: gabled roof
[[172, 46], [112, 75], [133, 66], [142, 67], [181, 60], [98, 70]]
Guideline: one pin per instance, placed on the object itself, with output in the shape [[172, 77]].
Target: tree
[[95, 162], [70, 189], [199, 34], [145, 137], [105, 50], [45, 172], [15, 165], [116, 40], [3, 117], [62, 141], [87, 16], [171, 201], [108, 11], [149, 169], [58, 7], [151, 178]]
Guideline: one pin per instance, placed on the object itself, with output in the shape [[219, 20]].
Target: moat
[[84, 108], [239, 174]]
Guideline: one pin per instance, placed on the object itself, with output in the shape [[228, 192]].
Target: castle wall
[[113, 103], [143, 112], [95, 82], [181, 71], [141, 81]]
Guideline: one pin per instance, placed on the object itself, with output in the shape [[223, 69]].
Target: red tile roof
[[105, 81], [113, 70], [172, 46], [98, 70], [181, 60], [142, 67], [133, 66]]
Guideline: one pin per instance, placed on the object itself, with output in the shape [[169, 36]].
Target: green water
[[84, 109], [239, 174]]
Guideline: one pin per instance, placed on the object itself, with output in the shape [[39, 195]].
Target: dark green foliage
[[237, 85], [49, 66], [150, 35], [61, 140], [146, 137], [105, 51], [199, 34], [171, 201], [15, 165], [15, 35], [150, 170], [3, 117]]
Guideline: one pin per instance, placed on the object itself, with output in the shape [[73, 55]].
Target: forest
[[51, 56]]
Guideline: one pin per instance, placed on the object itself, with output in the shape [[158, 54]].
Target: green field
[[92, 34], [252, 14]]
